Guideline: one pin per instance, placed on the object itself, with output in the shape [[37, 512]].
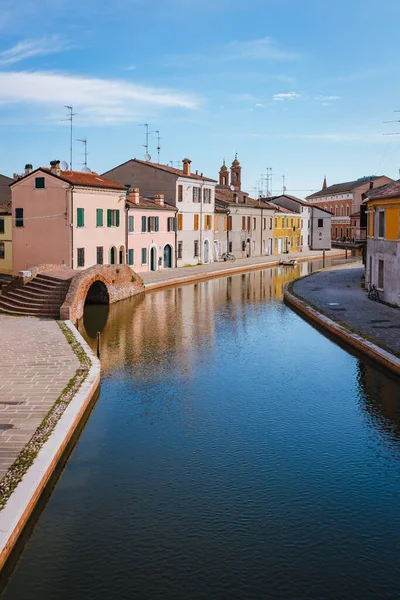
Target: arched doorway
[[121, 257], [153, 259], [206, 251], [97, 294], [167, 257], [113, 255]]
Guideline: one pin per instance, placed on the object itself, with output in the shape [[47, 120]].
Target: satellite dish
[[232, 188], [86, 170], [64, 165], [147, 156]]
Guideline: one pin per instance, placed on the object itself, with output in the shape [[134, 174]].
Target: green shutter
[[109, 217], [144, 252], [157, 223], [175, 223], [143, 227], [117, 218], [99, 217], [130, 256], [80, 217]]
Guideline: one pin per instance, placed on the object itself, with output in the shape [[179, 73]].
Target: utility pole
[[69, 118], [84, 142]]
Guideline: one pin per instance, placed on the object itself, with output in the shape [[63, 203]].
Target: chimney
[[159, 199], [55, 167], [28, 169], [134, 195], [15, 176], [371, 184], [186, 166]]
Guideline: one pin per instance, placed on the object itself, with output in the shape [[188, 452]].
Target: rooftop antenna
[[84, 142], [157, 133], [70, 118], [146, 145], [283, 184]]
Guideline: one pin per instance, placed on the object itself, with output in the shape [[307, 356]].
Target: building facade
[[303, 209], [383, 242], [151, 226], [5, 225], [287, 231], [191, 193], [343, 200], [67, 217]]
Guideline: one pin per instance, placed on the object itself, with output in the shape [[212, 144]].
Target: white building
[[191, 193]]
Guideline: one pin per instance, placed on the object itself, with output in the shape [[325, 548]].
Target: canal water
[[234, 453]]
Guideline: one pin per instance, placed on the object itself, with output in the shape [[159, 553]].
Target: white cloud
[[327, 98], [260, 49], [30, 48], [259, 105], [99, 100], [288, 96]]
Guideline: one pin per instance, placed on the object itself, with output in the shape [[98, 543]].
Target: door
[[280, 245], [206, 251], [167, 257], [216, 250], [153, 260], [270, 246]]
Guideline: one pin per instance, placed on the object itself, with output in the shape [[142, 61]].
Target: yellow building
[[383, 241], [287, 232], [5, 240]]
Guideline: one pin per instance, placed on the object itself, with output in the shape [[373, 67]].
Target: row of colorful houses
[[149, 216]]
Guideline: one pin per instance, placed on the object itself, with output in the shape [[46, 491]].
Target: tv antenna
[[84, 142], [269, 181], [283, 184], [146, 145], [69, 118], [157, 133]]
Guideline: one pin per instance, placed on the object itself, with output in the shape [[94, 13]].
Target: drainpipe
[[126, 232], [261, 241], [71, 224], [201, 255], [227, 229]]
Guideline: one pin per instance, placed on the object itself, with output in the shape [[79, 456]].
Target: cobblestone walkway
[[36, 363], [337, 293], [154, 277]]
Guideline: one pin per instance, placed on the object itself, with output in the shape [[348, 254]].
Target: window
[[81, 257], [130, 257], [179, 250], [19, 217], [248, 223], [347, 211], [243, 223], [336, 232], [144, 225], [381, 224], [229, 223], [99, 217], [207, 195], [264, 223], [131, 224], [180, 221], [196, 194], [153, 224], [320, 222], [196, 248], [170, 224], [2, 251], [39, 183], [336, 211], [380, 274], [216, 223], [144, 256], [254, 223], [207, 222], [1, 225], [196, 222], [99, 255], [80, 217], [180, 193], [270, 223], [112, 218], [276, 223], [230, 247]]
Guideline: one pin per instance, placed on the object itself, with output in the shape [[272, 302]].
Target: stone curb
[[150, 287], [21, 503], [384, 358]]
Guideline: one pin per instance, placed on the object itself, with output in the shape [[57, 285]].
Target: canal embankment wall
[[156, 280], [21, 490], [334, 300]]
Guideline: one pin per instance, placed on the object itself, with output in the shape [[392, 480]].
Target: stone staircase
[[40, 297]]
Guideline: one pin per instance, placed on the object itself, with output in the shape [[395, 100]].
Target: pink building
[[151, 232], [67, 217]]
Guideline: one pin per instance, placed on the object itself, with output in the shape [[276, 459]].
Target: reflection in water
[[234, 452]]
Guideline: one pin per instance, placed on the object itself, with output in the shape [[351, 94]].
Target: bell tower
[[236, 174], [224, 175]]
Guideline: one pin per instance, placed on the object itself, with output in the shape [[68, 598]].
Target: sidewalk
[[337, 294], [153, 279]]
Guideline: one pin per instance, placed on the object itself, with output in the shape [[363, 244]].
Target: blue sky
[[303, 86]]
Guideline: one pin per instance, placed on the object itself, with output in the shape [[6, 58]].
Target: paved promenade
[[180, 274], [36, 363], [338, 294]]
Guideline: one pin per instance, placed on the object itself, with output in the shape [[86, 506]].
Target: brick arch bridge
[[101, 284]]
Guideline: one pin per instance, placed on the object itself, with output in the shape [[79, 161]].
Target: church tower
[[224, 175], [236, 174]]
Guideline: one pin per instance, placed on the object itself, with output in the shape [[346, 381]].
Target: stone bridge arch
[[103, 284]]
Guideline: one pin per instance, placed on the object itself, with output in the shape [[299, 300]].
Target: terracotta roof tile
[[150, 204], [390, 190], [341, 188], [86, 179], [169, 169], [5, 191]]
